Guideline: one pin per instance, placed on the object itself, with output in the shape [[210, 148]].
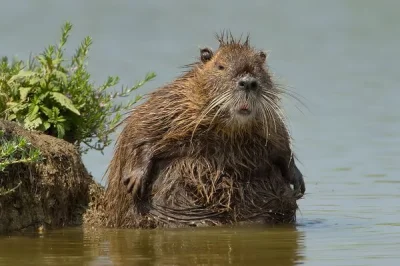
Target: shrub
[[51, 94]]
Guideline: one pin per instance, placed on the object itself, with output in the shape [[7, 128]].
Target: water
[[214, 246], [340, 56]]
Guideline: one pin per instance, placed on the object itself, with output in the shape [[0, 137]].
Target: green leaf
[[55, 111], [34, 80], [47, 111], [42, 96], [54, 88], [28, 124], [22, 74], [60, 119], [23, 92], [60, 131], [16, 107], [42, 60], [33, 113], [46, 125], [60, 75], [57, 61], [11, 117], [42, 83], [64, 101]]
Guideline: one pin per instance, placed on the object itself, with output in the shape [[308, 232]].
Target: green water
[[342, 58], [255, 246]]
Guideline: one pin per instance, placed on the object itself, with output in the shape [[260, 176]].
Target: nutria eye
[[221, 67]]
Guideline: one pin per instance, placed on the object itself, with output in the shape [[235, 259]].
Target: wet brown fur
[[193, 166]]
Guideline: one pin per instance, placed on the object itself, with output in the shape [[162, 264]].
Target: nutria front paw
[[137, 180], [132, 183], [298, 182]]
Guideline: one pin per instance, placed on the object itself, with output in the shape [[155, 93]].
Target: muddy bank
[[52, 193]]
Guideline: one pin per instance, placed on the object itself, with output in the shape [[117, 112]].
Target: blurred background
[[341, 58]]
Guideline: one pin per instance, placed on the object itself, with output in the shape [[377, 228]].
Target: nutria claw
[[132, 184], [138, 178], [298, 183]]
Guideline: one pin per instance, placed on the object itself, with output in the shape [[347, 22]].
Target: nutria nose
[[248, 83]]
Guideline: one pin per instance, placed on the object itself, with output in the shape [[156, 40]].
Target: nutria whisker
[[270, 106], [214, 103], [291, 94], [219, 110], [265, 123], [273, 104]]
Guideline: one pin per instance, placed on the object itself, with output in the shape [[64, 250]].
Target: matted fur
[[194, 163]]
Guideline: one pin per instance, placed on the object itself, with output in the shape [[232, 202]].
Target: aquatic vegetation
[[52, 94]]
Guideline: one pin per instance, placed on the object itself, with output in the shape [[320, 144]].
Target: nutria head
[[238, 88]]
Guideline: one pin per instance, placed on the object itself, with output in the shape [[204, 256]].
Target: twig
[[6, 192]]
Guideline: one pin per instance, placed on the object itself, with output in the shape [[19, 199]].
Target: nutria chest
[[237, 155], [217, 177]]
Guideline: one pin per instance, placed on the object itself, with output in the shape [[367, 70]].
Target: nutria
[[210, 148]]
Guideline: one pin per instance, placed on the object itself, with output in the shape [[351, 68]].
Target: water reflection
[[209, 246], [60, 247]]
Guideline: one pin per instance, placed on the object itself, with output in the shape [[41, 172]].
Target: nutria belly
[[194, 192]]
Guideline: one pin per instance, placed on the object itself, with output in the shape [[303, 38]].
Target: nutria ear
[[205, 54], [263, 55]]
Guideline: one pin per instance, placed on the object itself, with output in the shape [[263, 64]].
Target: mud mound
[[95, 214], [52, 193]]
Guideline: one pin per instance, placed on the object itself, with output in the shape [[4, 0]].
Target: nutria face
[[239, 87]]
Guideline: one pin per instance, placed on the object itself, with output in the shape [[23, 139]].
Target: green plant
[[56, 96], [7, 70], [13, 151]]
